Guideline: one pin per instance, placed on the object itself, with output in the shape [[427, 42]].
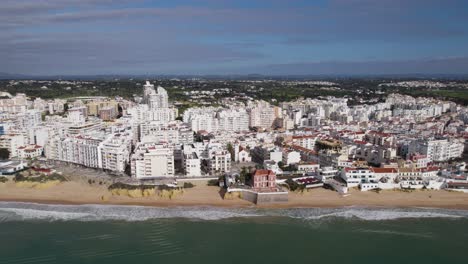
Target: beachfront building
[[93, 150], [192, 165], [308, 166], [264, 180], [355, 176], [82, 150], [115, 153], [151, 160], [219, 162]]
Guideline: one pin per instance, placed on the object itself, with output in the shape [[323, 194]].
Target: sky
[[273, 37]]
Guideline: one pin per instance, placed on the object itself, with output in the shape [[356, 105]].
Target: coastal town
[[251, 149]]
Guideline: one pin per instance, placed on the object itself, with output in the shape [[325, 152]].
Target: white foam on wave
[[28, 211], [27, 214], [11, 211], [385, 214]]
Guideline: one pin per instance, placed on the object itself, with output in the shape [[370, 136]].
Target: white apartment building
[[307, 142], [15, 104], [155, 99], [192, 165], [152, 160], [262, 114], [212, 119], [83, 150], [115, 153], [161, 114], [355, 176], [276, 155], [162, 132], [437, 150], [12, 142], [233, 120], [94, 150], [28, 119], [291, 157], [219, 162]]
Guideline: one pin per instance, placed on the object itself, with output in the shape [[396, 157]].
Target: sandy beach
[[77, 192]]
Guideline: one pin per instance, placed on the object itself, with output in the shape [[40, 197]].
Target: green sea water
[[31, 233]]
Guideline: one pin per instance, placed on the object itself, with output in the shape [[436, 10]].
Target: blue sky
[[49, 37]]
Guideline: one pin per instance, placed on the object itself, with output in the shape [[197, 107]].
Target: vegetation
[[294, 186], [119, 185], [230, 149], [245, 175], [41, 178], [357, 90], [3, 179], [4, 154], [188, 185], [213, 183]]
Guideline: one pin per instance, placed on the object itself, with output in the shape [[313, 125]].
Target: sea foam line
[[15, 211]]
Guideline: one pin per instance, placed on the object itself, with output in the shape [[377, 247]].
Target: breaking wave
[[16, 211]]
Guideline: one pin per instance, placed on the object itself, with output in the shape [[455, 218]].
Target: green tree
[[243, 175], [230, 148], [4, 154]]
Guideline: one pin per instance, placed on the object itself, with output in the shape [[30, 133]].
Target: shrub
[[19, 177], [294, 186], [213, 183], [3, 179], [41, 178], [188, 185], [119, 185]]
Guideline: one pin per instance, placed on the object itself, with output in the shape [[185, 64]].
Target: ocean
[[34, 233]]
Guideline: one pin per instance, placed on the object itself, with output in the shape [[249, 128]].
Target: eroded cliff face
[[37, 185], [139, 193]]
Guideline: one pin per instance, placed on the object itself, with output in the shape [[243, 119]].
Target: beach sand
[[77, 192]]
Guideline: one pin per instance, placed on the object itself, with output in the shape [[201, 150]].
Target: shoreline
[[169, 205]]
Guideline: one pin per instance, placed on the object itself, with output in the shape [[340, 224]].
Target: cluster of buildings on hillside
[[404, 142]]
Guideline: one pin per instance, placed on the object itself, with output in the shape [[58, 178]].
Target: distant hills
[[4, 75], [14, 76]]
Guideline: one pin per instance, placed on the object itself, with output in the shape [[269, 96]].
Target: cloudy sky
[[49, 37]]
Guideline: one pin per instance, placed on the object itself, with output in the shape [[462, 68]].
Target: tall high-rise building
[[155, 99]]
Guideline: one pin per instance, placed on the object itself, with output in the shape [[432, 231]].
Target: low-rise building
[[30, 151], [264, 180]]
